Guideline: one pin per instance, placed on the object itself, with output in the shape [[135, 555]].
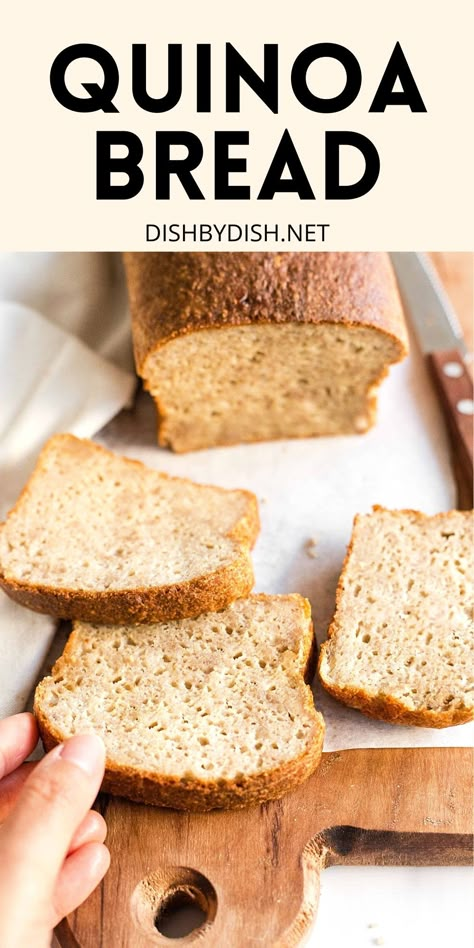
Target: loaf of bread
[[98, 537], [401, 645], [197, 713], [304, 340]]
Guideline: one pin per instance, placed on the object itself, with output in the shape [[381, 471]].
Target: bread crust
[[185, 600], [143, 786], [384, 707], [172, 294], [207, 593], [198, 795], [390, 709]]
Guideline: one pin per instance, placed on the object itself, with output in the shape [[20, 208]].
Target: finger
[[11, 787], [93, 829], [18, 738], [81, 873], [54, 801]]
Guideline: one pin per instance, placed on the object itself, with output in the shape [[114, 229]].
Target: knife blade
[[434, 320], [441, 339]]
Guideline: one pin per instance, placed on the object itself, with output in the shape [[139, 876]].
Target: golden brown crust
[[172, 294], [202, 795], [385, 707], [207, 593], [199, 795]]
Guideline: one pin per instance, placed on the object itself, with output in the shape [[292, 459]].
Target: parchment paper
[[309, 492]]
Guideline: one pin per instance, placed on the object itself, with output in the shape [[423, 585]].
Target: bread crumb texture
[[401, 645], [93, 524], [260, 383], [204, 712]]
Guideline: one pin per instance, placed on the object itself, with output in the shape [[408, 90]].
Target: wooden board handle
[[454, 387], [273, 908]]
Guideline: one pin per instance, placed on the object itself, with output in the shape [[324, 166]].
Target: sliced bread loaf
[[98, 537], [195, 714], [255, 346], [401, 644]]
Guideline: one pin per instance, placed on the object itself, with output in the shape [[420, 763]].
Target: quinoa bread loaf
[[401, 644], [304, 341], [195, 713], [98, 537]]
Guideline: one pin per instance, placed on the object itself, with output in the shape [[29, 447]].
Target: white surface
[[311, 489], [49, 381], [392, 907], [405, 907]]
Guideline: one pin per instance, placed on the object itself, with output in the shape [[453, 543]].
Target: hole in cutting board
[[173, 903], [180, 914]]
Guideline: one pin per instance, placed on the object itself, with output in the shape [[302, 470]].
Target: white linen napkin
[[84, 293], [51, 381]]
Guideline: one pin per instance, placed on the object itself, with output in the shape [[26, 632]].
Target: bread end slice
[[103, 538], [204, 713], [400, 646]]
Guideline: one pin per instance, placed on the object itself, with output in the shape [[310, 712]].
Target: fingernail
[[85, 751]]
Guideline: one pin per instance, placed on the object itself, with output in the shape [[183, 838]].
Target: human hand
[[51, 843]]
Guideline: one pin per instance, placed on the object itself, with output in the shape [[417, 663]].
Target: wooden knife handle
[[454, 387]]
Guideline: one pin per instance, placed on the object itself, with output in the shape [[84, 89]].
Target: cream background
[[424, 193]]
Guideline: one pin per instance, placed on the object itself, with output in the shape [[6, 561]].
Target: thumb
[[52, 804]]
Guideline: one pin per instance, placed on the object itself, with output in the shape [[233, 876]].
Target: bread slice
[[98, 537], [238, 347], [198, 713], [400, 647]]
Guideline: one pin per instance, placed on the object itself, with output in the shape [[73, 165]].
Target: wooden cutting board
[[255, 873]]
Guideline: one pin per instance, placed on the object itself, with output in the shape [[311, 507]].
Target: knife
[[440, 337]]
